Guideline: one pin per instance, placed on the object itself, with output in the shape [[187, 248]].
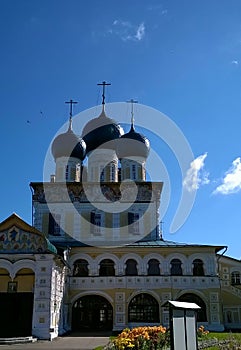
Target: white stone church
[[94, 258]]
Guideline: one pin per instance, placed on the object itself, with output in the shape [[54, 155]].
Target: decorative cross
[[132, 110], [71, 103], [104, 84]]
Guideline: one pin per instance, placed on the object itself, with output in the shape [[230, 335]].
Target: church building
[[95, 258]]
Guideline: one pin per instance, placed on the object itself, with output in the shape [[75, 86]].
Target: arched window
[[107, 268], [143, 308], [176, 267], [131, 268], [193, 298], [153, 267], [198, 269], [235, 278], [81, 268]]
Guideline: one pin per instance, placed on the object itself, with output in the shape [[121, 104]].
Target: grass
[[235, 341], [234, 338]]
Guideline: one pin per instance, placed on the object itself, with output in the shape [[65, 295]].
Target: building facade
[[94, 258]]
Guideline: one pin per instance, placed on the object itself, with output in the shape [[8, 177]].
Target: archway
[[92, 313], [193, 298]]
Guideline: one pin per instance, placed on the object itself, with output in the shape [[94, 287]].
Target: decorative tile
[[119, 296]]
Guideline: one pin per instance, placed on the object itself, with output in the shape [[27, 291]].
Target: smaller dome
[[69, 144], [133, 144], [100, 130]]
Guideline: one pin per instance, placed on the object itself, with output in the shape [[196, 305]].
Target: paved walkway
[[62, 343]]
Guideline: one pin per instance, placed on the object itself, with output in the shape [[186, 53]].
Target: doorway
[[92, 313], [16, 314]]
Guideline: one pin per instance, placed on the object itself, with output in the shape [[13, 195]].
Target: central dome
[[100, 130]]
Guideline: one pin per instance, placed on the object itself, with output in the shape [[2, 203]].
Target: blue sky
[[182, 58]]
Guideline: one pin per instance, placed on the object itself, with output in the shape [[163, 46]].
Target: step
[[18, 340]]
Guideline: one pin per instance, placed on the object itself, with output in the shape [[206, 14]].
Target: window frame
[[143, 308]]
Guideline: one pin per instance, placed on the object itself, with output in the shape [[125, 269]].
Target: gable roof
[[17, 236], [181, 305], [228, 259]]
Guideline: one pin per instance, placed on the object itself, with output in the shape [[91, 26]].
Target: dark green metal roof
[[157, 243], [50, 247], [165, 244]]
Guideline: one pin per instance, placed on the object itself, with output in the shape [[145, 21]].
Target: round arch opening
[[193, 298], [92, 313]]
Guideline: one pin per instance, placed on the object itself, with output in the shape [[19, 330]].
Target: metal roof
[[181, 305], [164, 243]]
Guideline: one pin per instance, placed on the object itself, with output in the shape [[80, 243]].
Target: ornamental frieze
[[87, 192]]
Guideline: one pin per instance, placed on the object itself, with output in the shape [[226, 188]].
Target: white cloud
[[121, 23], [231, 183], [235, 62], [195, 176], [140, 32], [128, 31], [157, 8]]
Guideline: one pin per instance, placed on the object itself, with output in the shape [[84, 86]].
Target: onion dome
[[100, 130], [133, 144], [69, 144]]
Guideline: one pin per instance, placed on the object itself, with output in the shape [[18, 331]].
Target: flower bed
[[141, 338], [158, 338]]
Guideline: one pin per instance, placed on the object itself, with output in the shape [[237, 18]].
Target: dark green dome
[[69, 145], [100, 130], [133, 144]]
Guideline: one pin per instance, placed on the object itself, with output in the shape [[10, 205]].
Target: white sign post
[[183, 325]]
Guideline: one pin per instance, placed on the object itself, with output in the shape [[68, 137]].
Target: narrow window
[[131, 267], [133, 223], [198, 269], [102, 174], [176, 267], [54, 224], [235, 278], [96, 223], [133, 170], [153, 267], [112, 172], [107, 268], [81, 268], [67, 172]]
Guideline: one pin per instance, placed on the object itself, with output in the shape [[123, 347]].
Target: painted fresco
[[16, 240]]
